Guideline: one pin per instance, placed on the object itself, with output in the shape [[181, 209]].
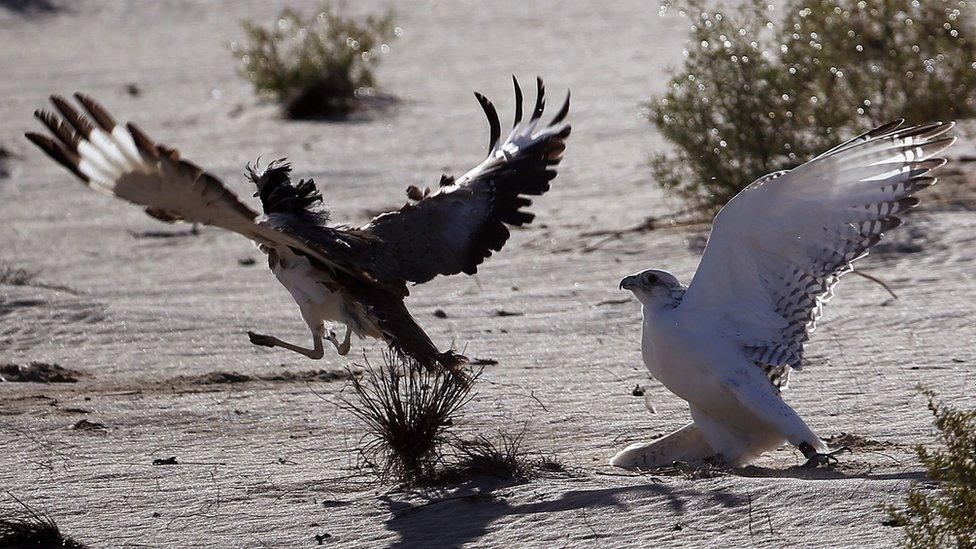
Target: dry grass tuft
[[33, 530], [407, 411], [483, 456], [504, 457], [12, 276]]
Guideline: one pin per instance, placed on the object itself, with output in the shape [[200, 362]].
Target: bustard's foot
[[817, 459], [341, 347], [261, 339]]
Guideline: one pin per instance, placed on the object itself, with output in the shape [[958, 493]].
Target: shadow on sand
[[30, 6], [464, 515], [805, 473]]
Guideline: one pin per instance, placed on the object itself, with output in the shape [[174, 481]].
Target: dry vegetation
[[757, 95], [946, 515], [406, 411], [33, 530], [410, 413], [319, 66], [13, 276]]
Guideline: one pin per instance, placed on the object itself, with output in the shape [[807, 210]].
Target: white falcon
[[727, 343]]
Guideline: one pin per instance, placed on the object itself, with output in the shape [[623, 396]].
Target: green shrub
[[757, 96], [885, 59], [945, 516], [318, 66]]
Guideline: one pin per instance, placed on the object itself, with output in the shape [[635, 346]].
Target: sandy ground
[[271, 463]]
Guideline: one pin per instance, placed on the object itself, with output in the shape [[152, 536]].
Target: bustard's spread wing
[[777, 248], [456, 227], [124, 162]]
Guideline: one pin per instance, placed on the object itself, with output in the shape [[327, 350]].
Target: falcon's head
[[654, 287]]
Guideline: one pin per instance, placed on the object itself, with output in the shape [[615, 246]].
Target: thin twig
[[649, 224], [877, 281]]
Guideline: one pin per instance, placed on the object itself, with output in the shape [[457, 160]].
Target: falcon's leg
[[315, 353], [341, 348], [736, 444], [818, 459], [756, 394]]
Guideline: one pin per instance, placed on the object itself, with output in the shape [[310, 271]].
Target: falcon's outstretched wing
[[456, 227], [777, 248], [124, 162]]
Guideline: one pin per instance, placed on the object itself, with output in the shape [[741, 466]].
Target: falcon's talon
[[818, 459]]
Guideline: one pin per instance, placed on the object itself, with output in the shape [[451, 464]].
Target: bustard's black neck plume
[[279, 195]]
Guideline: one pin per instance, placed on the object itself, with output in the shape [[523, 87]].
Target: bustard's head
[[654, 287], [279, 195]]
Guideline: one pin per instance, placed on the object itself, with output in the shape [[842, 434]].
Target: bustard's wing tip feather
[[492, 115], [58, 153], [101, 116], [80, 124], [563, 111], [518, 101], [57, 127], [540, 98], [143, 143]]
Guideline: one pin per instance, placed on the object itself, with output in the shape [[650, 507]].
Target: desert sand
[[154, 323]]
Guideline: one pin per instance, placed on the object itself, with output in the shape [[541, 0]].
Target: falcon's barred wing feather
[[456, 227], [778, 248], [122, 161]]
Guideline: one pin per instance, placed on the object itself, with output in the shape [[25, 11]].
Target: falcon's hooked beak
[[629, 282]]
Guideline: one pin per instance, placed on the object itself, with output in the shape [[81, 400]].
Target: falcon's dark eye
[[651, 279]]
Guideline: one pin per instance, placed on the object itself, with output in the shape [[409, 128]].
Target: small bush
[[756, 96], [317, 66], [884, 60], [33, 530], [12, 276], [503, 457], [407, 411], [483, 456], [5, 156], [946, 516]]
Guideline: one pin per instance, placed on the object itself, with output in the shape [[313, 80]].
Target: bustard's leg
[[315, 353], [341, 348]]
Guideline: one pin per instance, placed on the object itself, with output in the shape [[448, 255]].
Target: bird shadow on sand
[[464, 515], [806, 473], [31, 6]]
